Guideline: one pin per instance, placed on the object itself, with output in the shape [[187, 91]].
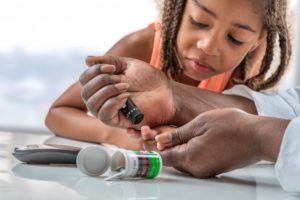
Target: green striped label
[[149, 164]]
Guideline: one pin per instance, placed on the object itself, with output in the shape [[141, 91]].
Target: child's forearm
[[73, 123], [76, 124]]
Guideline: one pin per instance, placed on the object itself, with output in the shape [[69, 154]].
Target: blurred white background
[[44, 43]]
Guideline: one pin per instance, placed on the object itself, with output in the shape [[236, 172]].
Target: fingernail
[[123, 97], [144, 136], [157, 138], [108, 68], [121, 86], [144, 129], [163, 138], [115, 79], [160, 147]]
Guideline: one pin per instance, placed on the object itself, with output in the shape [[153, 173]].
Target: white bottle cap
[[93, 160]]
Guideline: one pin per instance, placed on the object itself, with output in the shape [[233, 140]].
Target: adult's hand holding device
[[111, 80], [105, 87]]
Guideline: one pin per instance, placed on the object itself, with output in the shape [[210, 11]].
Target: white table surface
[[22, 181]]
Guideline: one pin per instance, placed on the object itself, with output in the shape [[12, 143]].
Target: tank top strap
[[155, 56]]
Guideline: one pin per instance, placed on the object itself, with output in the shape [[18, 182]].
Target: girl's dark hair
[[275, 24]]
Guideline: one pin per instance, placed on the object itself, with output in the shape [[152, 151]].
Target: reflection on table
[[23, 181]]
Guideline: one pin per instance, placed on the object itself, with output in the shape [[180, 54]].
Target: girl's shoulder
[[138, 44]]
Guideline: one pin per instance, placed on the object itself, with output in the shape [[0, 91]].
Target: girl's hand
[[148, 135]]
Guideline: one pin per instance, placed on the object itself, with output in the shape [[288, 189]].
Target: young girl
[[211, 44]]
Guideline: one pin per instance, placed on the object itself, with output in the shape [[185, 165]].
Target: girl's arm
[[68, 116]]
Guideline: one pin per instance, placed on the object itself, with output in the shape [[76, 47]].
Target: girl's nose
[[209, 45]]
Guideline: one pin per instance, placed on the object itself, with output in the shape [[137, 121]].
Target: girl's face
[[215, 36]]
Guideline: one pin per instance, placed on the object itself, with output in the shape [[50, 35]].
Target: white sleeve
[[287, 167], [283, 104]]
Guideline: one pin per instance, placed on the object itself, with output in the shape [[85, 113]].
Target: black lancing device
[[131, 112]]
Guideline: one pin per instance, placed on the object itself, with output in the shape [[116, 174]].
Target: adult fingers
[[109, 113], [94, 71], [95, 84], [174, 156], [95, 102], [119, 62], [182, 134]]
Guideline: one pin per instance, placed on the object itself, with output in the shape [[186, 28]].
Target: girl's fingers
[[160, 146], [150, 145], [164, 140], [148, 133]]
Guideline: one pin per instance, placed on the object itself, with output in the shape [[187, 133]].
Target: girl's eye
[[235, 41], [198, 24]]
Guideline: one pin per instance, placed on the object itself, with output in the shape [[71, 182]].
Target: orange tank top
[[215, 83]]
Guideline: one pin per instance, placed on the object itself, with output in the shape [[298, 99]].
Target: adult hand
[[106, 87], [107, 81], [221, 140]]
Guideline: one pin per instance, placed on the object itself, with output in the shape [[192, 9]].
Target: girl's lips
[[200, 67]]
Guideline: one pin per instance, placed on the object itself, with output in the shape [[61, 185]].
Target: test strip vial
[[139, 164], [94, 161]]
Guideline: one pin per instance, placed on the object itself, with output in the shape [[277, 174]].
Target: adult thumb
[[182, 134], [173, 156]]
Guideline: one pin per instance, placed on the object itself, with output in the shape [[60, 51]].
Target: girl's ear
[[256, 56], [262, 38]]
